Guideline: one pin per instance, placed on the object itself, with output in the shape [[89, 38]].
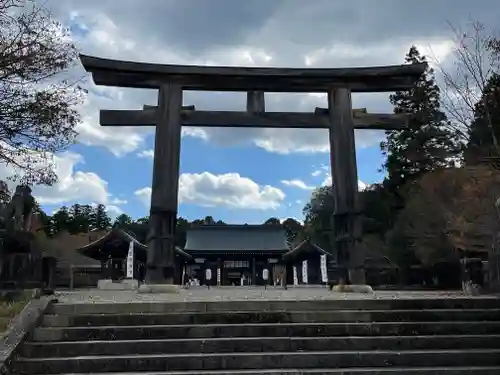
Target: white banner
[[305, 277], [130, 261], [218, 276], [295, 277], [324, 275], [208, 274]]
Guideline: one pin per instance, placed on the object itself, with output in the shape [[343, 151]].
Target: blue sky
[[129, 173], [235, 175]]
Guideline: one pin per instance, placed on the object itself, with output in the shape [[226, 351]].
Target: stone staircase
[[348, 337]]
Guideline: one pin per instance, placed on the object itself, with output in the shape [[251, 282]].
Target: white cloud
[[118, 140], [297, 183], [436, 51], [324, 171], [144, 195], [257, 39], [362, 185], [117, 201], [328, 181], [228, 190], [317, 173], [72, 186], [113, 211], [148, 154]]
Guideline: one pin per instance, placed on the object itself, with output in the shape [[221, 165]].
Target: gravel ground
[[242, 294]]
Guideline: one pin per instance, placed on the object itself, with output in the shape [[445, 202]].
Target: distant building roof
[[304, 250], [64, 247], [236, 239], [116, 243]]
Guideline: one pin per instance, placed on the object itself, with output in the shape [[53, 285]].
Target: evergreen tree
[[60, 221], [79, 219], [427, 143], [272, 221], [86, 218], [292, 229], [122, 221], [318, 216], [484, 131], [99, 218], [180, 231], [209, 220], [143, 220]]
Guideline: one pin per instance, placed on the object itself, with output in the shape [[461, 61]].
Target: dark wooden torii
[[168, 117]]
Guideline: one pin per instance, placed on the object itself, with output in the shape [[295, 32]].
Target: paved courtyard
[[243, 294]]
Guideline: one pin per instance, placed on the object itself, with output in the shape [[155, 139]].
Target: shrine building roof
[[303, 250], [115, 243], [244, 239]]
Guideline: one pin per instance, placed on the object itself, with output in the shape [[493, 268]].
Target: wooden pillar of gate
[[165, 186], [345, 224]]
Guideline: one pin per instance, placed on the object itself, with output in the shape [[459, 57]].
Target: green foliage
[[82, 218], [426, 144], [378, 209], [99, 218], [272, 221], [484, 131], [318, 211], [76, 219], [60, 221], [293, 230], [122, 221]]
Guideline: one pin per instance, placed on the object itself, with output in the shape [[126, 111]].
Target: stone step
[[263, 330], [476, 370], [239, 317], [256, 344], [235, 361], [313, 305]]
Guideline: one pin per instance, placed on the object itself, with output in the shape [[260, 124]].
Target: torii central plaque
[[168, 117]]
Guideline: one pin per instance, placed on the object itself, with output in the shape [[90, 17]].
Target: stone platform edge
[[19, 327]]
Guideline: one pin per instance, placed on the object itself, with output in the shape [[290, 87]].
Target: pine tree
[[484, 131], [122, 221], [143, 220], [99, 218], [60, 221], [426, 144], [79, 219], [86, 218]]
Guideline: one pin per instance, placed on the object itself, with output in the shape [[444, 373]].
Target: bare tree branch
[[37, 99], [475, 60]]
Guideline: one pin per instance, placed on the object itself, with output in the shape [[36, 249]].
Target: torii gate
[[168, 117]]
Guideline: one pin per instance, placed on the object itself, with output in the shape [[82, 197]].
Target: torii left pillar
[[165, 187]]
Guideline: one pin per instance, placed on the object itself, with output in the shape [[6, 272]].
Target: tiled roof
[[303, 248], [236, 238]]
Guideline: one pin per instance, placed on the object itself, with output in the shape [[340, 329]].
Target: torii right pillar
[[345, 235]]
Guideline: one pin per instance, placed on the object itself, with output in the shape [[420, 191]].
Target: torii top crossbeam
[[224, 78]]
